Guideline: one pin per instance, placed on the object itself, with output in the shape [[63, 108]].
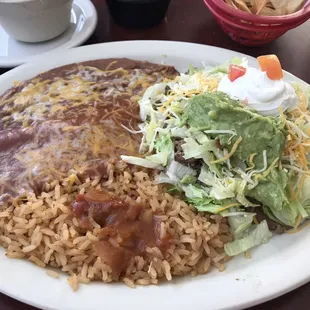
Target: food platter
[[274, 269]]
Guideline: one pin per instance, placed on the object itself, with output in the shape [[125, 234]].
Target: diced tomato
[[271, 65], [245, 101], [235, 72]]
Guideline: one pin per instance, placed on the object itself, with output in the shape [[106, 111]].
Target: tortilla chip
[[294, 6], [242, 5], [258, 6], [272, 12], [231, 3], [249, 4], [267, 7], [291, 6]]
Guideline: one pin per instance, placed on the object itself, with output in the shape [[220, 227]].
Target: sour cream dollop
[[259, 92]]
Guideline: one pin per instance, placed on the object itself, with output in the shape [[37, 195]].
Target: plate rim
[[92, 20], [39, 62]]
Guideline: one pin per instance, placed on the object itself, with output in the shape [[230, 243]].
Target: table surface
[[190, 21]]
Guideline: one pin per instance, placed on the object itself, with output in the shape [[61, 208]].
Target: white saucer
[[83, 23]]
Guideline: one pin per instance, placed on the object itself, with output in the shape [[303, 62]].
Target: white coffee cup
[[35, 20]]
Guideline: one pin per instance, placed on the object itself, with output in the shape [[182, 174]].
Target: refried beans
[[70, 119]]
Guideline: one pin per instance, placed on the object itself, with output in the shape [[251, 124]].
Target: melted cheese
[[53, 107]]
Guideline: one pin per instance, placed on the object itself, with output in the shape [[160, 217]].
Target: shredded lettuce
[[301, 209], [307, 209], [146, 106], [206, 176], [224, 188], [188, 179], [159, 158], [164, 151], [239, 224], [162, 178], [176, 171], [258, 235], [287, 215], [240, 195], [192, 70], [206, 204], [199, 136], [224, 67], [192, 191], [164, 144], [192, 149], [175, 190], [179, 132], [141, 162], [220, 69], [151, 131], [178, 106], [304, 195], [238, 61]]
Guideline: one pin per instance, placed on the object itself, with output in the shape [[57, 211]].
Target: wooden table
[[190, 21]]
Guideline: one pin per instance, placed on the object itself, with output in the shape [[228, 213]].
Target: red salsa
[[126, 229]]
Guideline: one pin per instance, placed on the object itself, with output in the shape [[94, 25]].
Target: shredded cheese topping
[[231, 153], [297, 122], [76, 116]]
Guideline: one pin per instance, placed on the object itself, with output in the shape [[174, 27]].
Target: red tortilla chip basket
[[254, 30]]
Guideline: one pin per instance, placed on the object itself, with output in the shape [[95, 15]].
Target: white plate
[[275, 268], [83, 23]]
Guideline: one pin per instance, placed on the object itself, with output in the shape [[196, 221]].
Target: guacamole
[[272, 190], [219, 112]]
